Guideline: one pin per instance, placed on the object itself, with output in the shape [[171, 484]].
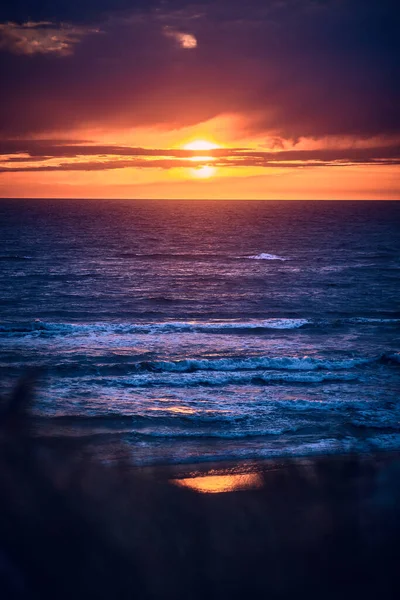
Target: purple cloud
[[292, 69]]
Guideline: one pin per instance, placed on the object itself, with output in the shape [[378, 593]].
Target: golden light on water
[[183, 410], [217, 484]]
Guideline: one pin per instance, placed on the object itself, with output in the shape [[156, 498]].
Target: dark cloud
[[67, 10], [45, 149], [169, 164], [62, 149], [293, 68], [31, 155]]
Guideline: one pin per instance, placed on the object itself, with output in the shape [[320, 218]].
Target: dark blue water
[[206, 330]]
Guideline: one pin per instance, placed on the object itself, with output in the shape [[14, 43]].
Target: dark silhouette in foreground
[[71, 527]]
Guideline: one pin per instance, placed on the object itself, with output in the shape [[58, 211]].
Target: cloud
[[42, 37], [289, 69], [184, 40], [37, 156]]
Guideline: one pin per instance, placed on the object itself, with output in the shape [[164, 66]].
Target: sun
[[203, 172], [200, 145]]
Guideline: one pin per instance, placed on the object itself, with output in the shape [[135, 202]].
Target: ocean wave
[[266, 256], [38, 326], [255, 363], [169, 427], [360, 413], [77, 368], [254, 326], [219, 378], [377, 423], [385, 416], [217, 416], [219, 426]]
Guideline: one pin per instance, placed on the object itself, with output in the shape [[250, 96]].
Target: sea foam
[[266, 256], [43, 328]]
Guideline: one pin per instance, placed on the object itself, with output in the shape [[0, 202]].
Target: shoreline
[[261, 468]]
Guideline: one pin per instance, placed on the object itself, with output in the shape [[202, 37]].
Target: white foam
[[266, 256], [261, 362], [221, 378], [40, 328], [106, 328]]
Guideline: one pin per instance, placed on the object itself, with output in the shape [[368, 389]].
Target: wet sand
[[229, 476], [74, 526]]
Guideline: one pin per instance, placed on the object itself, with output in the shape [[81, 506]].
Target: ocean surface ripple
[[201, 331]]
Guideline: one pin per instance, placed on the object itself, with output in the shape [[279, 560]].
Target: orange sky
[[291, 100], [236, 168]]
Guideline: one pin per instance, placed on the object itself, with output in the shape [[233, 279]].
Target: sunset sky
[[209, 99]]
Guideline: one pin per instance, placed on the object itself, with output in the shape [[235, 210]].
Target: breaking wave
[[221, 378], [266, 256], [221, 365], [213, 327], [138, 328], [244, 364]]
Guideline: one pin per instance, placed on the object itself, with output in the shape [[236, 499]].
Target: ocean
[[193, 331]]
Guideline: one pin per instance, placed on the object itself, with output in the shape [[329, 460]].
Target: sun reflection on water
[[216, 484], [183, 410]]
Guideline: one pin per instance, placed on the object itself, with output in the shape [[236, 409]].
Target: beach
[[215, 408], [199, 300], [318, 526]]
